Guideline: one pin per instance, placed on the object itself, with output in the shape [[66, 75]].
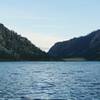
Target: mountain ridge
[[84, 47], [16, 47]]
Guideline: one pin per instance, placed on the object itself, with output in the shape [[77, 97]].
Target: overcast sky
[[45, 22]]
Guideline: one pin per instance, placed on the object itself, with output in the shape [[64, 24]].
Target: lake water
[[50, 80]]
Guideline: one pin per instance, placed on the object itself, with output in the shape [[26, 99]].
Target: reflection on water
[[50, 80]]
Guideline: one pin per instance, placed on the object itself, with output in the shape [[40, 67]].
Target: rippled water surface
[[50, 80]]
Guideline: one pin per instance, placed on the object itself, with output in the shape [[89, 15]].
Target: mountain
[[87, 47], [16, 47]]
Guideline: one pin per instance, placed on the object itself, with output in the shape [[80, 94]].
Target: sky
[[45, 22]]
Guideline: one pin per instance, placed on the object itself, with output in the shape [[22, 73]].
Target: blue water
[[50, 80]]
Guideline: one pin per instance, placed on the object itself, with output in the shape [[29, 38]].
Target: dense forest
[[16, 47]]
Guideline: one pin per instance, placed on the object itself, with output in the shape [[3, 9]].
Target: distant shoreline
[[63, 60], [75, 59]]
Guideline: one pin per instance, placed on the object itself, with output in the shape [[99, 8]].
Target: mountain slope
[[15, 47], [87, 47]]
